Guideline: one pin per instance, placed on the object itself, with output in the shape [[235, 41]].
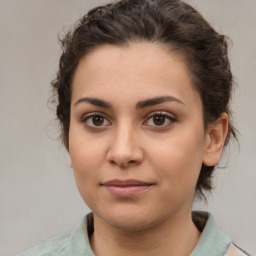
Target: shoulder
[[55, 247], [234, 250], [213, 241], [75, 243]]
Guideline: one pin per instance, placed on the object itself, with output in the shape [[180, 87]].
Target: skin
[[122, 140]]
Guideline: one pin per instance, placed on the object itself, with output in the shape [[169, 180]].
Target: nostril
[[124, 156], [124, 164]]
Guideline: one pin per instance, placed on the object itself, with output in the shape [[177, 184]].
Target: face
[[136, 139]]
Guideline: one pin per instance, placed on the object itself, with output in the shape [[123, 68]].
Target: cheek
[[86, 157], [84, 148], [85, 164], [178, 160]]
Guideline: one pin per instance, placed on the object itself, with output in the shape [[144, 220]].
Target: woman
[[143, 100]]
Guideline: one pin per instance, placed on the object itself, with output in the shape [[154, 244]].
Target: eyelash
[[167, 117], [85, 119]]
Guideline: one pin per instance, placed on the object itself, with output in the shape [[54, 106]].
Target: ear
[[215, 139]]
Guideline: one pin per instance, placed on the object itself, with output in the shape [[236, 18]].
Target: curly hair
[[172, 23]]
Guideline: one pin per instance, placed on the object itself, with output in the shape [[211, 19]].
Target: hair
[[171, 23]]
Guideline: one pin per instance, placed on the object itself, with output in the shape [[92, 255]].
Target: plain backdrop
[[38, 196]]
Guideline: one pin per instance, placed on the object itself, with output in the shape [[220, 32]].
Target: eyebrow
[[95, 102], [139, 105], [157, 100]]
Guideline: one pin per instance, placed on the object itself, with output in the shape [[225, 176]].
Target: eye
[[95, 120], [161, 120]]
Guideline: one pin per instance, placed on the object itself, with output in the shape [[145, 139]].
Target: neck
[[175, 236]]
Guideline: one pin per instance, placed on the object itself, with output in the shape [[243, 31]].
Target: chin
[[130, 219], [130, 224]]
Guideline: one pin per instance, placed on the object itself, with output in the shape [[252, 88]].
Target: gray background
[[38, 196]]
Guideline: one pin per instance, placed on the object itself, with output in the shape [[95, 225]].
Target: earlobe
[[215, 139]]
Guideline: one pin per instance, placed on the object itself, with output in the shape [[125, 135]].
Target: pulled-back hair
[[171, 23]]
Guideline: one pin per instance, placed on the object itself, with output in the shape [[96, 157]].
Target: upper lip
[[123, 183]]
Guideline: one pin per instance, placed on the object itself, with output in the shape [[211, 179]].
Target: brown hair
[[172, 23]]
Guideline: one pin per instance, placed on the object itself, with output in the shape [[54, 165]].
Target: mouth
[[126, 188]]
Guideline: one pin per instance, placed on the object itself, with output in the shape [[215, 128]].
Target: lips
[[126, 188]]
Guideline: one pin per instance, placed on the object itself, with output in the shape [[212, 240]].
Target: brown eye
[[95, 120], [98, 120], [159, 120]]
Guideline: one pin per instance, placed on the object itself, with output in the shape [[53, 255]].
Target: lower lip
[[127, 191]]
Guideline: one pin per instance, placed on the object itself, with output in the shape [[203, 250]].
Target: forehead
[[137, 69]]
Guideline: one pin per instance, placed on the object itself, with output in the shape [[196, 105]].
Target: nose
[[125, 149]]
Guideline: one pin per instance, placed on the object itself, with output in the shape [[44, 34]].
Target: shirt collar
[[212, 241], [79, 240]]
